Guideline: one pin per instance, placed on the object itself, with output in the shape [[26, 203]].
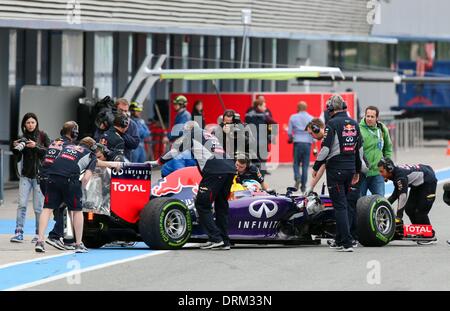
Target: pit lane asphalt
[[402, 265]]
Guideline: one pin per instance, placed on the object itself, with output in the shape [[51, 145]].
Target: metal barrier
[[406, 133], [3, 153]]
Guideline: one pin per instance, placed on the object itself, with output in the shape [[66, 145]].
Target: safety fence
[[3, 154], [406, 133]]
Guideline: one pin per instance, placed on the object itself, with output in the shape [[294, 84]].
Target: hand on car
[[355, 179]]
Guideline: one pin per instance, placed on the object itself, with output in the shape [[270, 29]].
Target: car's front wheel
[[165, 223], [375, 221]]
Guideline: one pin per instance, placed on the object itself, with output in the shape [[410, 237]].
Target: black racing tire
[[447, 186], [447, 193], [375, 221], [165, 223], [94, 241]]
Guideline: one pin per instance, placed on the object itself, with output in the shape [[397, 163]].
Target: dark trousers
[[339, 182], [58, 215], [214, 188], [352, 197], [419, 203]]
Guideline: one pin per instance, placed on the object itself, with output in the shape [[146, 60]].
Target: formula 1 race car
[[123, 206]]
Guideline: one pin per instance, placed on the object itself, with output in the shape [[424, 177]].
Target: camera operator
[[105, 119], [30, 148], [235, 136], [113, 138], [131, 134]]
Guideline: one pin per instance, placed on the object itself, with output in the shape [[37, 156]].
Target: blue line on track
[[25, 273]]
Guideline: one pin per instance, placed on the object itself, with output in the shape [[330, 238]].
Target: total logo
[[117, 186], [260, 207], [422, 230]]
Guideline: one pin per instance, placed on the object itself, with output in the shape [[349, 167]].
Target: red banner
[[282, 106]]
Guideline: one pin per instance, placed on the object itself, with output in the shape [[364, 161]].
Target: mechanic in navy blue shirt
[[64, 186], [69, 133], [217, 170], [342, 155], [248, 171], [422, 182], [113, 138]]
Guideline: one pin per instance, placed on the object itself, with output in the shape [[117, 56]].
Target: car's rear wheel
[[447, 193], [375, 221], [165, 223]]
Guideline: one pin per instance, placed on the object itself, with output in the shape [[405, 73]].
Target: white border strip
[[67, 274], [34, 259]]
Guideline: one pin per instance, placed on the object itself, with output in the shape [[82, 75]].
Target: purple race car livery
[[124, 206]]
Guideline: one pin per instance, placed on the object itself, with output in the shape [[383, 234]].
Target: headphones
[[330, 106], [73, 132], [227, 113], [123, 121], [387, 164], [103, 149], [315, 128]]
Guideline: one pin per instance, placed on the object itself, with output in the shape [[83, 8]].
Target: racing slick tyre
[[375, 221], [165, 223], [447, 193]]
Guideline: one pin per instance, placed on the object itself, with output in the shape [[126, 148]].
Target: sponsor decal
[[130, 192], [261, 208], [68, 157], [186, 178], [349, 130], [420, 230], [117, 186], [351, 148], [253, 224]]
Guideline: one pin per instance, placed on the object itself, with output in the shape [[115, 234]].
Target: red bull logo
[[349, 130], [188, 177]]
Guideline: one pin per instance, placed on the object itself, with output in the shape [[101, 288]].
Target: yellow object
[[236, 186]]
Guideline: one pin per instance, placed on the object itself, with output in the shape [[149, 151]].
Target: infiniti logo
[[257, 208]]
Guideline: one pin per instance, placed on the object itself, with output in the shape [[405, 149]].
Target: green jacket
[[377, 144]]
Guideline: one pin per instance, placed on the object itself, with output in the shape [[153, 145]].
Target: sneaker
[[18, 238], [35, 239], [448, 242], [346, 249], [69, 246], [223, 248], [297, 184], [39, 248], [81, 248], [302, 189], [354, 243], [212, 245], [332, 244], [56, 243]]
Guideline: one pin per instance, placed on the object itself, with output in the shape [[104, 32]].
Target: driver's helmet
[[251, 184]]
